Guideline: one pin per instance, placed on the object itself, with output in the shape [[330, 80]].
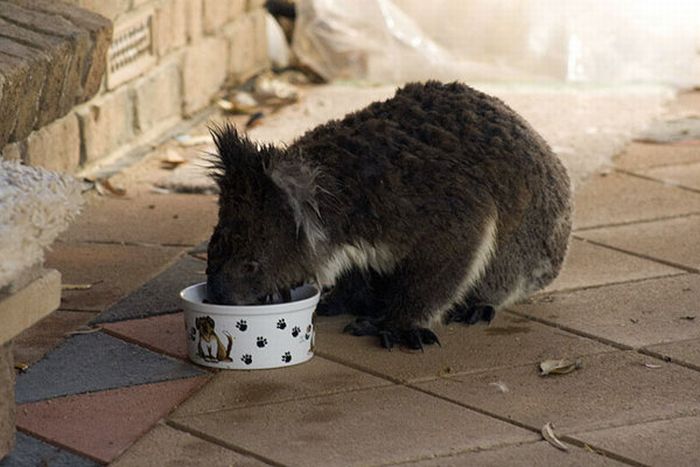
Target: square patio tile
[[508, 341], [95, 362], [619, 198], [171, 219], [103, 424], [375, 426], [30, 451], [636, 314], [164, 445], [681, 175], [588, 265], [687, 352], [612, 389], [164, 333], [645, 155], [673, 240], [115, 270], [663, 442], [35, 342], [160, 295], [540, 454], [234, 389]]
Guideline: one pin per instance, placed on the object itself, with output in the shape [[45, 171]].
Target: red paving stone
[[103, 424], [164, 333]]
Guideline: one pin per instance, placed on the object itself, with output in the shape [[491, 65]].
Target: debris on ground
[[688, 317], [501, 386], [652, 366], [76, 286], [549, 436], [171, 160], [559, 367], [21, 367], [254, 120], [187, 140], [103, 187]]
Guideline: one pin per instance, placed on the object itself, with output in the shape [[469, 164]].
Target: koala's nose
[[217, 292]]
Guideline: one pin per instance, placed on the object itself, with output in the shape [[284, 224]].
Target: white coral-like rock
[[36, 205]]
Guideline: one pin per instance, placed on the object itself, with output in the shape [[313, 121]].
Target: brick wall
[[197, 47]]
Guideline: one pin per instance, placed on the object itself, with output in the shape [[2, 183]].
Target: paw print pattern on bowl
[[247, 359], [295, 331], [281, 324], [262, 342], [287, 357], [242, 325]]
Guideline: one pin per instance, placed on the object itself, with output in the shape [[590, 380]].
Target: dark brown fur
[[435, 203]]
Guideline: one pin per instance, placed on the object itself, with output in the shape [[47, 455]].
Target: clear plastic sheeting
[[589, 41]]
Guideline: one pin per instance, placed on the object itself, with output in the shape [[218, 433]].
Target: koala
[[439, 204]]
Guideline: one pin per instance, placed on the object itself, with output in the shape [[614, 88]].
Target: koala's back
[[444, 154]]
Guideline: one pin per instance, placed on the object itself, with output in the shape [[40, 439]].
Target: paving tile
[[541, 454], [682, 175], [234, 389], [588, 265], [30, 451], [663, 442], [164, 333], [376, 426], [637, 314], [35, 342], [508, 341], [612, 389], [158, 296], [115, 270], [619, 198], [95, 362], [687, 352], [646, 155], [169, 447], [148, 218], [674, 240], [103, 424]]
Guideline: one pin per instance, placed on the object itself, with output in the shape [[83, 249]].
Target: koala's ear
[[236, 156], [299, 183]]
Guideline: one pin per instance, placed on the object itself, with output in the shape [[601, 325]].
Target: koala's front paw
[[390, 335]]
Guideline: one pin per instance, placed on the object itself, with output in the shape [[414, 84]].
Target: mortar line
[[219, 442], [634, 222], [662, 182], [668, 358], [641, 255], [126, 243]]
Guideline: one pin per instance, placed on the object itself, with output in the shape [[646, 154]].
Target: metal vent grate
[[131, 51]]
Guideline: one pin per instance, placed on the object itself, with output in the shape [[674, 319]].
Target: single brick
[[247, 46], [204, 72], [100, 30], [107, 123], [95, 362], [157, 97], [171, 27], [56, 146]]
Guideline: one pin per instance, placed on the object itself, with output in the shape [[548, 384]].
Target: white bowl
[[249, 337]]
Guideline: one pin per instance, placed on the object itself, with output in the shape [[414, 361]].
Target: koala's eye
[[250, 267]]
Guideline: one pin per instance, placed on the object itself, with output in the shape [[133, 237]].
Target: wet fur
[[438, 199]]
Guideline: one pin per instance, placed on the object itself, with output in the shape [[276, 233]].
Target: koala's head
[[268, 221]]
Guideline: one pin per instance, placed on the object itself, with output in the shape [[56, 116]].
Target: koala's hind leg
[[426, 283], [352, 294]]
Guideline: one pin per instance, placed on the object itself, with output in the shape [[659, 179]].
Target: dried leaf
[[76, 286], [254, 120], [159, 191], [225, 105], [105, 188], [171, 160], [551, 438], [501, 386], [21, 366], [559, 367], [688, 318], [652, 366], [189, 140]]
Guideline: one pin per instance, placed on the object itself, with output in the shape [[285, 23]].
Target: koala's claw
[[470, 314], [414, 338]]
